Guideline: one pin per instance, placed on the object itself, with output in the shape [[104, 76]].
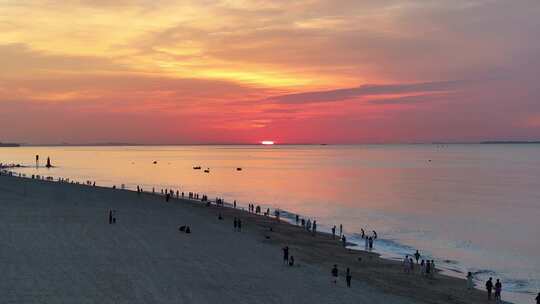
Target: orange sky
[[290, 71]]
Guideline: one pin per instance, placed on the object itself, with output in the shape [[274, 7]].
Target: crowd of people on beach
[[411, 263], [425, 267]]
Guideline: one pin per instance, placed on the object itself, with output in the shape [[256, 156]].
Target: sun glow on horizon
[[267, 142]]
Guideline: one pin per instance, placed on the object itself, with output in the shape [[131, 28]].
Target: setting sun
[[267, 142]]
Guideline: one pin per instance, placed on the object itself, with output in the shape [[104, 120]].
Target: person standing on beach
[[314, 227], [340, 230], [417, 256], [498, 289], [239, 225], [335, 273], [348, 277], [406, 266], [489, 287], [334, 232], [344, 240], [370, 243], [285, 255], [366, 243], [234, 204], [470, 284], [110, 216]]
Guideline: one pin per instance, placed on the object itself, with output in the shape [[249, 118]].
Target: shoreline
[[321, 251]]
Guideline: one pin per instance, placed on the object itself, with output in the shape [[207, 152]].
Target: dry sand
[[56, 246]]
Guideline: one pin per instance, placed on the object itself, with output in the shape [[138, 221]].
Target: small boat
[[197, 168], [207, 170], [238, 169]]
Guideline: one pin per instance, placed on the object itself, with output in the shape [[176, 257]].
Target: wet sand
[[57, 246]]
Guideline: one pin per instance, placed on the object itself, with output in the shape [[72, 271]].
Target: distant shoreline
[[495, 142]]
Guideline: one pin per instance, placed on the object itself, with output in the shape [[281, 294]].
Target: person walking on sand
[[417, 256], [498, 289], [470, 284], [335, 274], [489, 288], [348, 277], [285, 255]]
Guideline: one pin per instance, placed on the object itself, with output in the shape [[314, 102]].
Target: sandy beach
[[58, 247]]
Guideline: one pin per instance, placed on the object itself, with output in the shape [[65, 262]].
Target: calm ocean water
[[470, 207]]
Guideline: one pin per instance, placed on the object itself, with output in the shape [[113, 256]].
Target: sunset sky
[[238, 71]]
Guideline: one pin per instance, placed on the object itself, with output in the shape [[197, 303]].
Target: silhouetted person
[[348, 277], [297, 219], [314, 227], [335, 273], [234, 204], [239, 225], [334, 232], [538, 298], [48, 162], [344, 240], [417, 256], [110, 216], [489, 287], [498, 289], [340, 229], [286, 254], [370, 243], [470, 283]]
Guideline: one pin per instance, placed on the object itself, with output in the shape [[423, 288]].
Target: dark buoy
[[48, 163]]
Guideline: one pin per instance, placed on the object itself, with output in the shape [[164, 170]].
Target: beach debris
[[238, 169], [197, 168], [207, 170]]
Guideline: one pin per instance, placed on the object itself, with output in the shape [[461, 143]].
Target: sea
[[470, 207]]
